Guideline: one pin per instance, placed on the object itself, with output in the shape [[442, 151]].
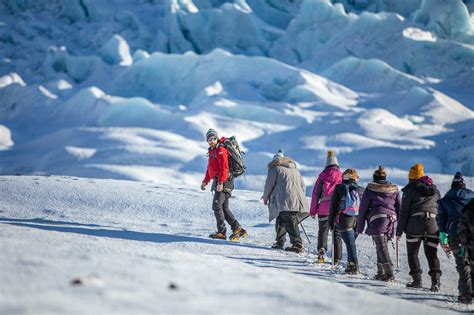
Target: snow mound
[[163, 78], [12, 78], [93, 107], [370, 75], [448, 19], [5, 138], [116, 51]]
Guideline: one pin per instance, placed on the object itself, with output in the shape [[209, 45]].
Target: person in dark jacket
[[222, 184], [343, 213], [449, 216], [380, 206], [418, 221], [466, 237]]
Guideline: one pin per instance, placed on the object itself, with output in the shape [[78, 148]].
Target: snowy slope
[[80, 246], [127, 89]]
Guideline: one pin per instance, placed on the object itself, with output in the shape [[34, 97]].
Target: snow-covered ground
[[99, 246], [108, 90]]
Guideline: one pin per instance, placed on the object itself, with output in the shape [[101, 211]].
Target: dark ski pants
[[220, 205], [464, 266], [381, 247], [430, 245], [349, 238], [323, 232], [336, 244], [287, 222]]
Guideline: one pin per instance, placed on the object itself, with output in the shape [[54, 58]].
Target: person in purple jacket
[[379, 207], [321, 202]]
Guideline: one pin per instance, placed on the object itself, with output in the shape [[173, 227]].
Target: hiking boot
[[465, 299], [218, 236], [415, 284], [352, 268], [388, 272], [237, 234], [294, 248], [321, 256], [277, 246], [380, 272], [388, 278], [379, 276], [435, 286]]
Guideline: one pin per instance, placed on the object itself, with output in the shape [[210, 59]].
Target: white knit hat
[[280, 154], [331, 158]]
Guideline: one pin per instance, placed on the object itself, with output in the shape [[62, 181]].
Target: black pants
[[287, 222], [323, 237], [381, 246], [220, 205], [430, 245], [464, 266]]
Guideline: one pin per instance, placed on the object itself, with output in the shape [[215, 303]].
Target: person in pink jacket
[[321, 202]]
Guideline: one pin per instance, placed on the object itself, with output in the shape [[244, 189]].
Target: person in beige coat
[[284, 194]]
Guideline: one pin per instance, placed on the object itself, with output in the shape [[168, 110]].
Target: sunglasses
[[212, 139]]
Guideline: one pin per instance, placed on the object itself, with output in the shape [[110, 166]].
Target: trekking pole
[[397, 252], [333, 262], [302, 227]]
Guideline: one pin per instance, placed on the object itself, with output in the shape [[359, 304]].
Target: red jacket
[[218, 164]]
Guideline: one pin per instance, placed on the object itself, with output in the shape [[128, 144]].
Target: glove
[[461, 252], [443, 238], [265, 201], [219, 187], [203, 185]]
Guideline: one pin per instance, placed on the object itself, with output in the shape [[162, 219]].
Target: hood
[[282, 161], [382, 187], [457, 193], [424, 185], [332, 173]]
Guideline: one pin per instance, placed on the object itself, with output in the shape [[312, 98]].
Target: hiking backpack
[[235, 157], [350, 201]]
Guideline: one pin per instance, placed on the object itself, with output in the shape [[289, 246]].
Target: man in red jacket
[[222, 185]]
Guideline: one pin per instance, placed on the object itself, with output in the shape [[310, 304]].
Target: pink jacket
[[323, 189]]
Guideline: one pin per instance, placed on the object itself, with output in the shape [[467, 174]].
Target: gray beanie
[[211, 133], [331, 158]]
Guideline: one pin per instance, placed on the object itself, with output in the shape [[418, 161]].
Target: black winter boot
[[465, 299], [296, 248], [380, 272], [277, 246], [416, 283], [352, 268], [435, 285], [388, 270]]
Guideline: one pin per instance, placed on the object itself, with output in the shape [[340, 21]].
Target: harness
[[425, 214], [391, 217]]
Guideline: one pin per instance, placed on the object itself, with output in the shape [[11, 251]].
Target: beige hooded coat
[[285, 188]]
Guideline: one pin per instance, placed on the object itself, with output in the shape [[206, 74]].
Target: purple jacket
[[379, 207], [323, 190]]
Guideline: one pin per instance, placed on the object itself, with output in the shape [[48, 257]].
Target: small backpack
[[350, 201], [235, 157]]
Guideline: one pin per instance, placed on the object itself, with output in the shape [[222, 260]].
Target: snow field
[[127, 242]]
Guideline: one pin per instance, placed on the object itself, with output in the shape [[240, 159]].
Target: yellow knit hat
[[416, 171]]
